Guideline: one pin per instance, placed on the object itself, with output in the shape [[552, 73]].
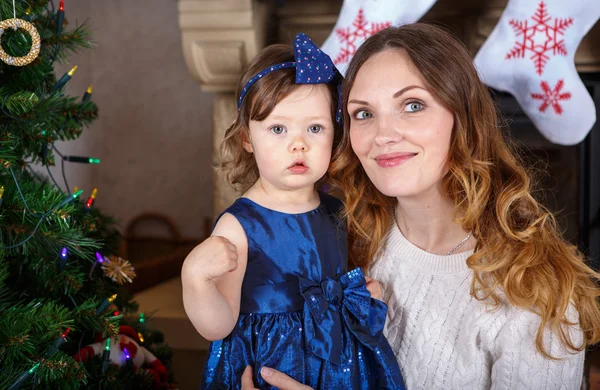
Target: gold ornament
[[118, 270], [35, 42]]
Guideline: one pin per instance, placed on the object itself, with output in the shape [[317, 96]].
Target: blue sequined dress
[[301, 312]]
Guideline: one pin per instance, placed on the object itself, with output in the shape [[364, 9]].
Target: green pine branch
[[41, 294]]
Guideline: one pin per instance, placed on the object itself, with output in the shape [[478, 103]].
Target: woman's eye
[[362, 114], [277, 130], [414, 107], [315, 129]]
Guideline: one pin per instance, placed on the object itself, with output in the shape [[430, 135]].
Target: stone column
[[219, 38]]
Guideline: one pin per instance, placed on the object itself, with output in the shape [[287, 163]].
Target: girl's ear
[[246, 142]]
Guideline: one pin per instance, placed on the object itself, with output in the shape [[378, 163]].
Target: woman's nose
[[388, 131]]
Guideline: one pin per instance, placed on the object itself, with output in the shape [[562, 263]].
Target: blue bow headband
[[312, 65]]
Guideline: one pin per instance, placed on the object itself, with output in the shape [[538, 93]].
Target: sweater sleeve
[[517, 364]]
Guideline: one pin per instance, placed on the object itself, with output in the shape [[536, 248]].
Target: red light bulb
[[66, 333]]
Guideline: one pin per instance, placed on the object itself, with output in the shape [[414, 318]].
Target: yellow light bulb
[[72, 71]]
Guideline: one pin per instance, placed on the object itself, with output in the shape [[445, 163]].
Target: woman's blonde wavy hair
[[239, 165], [519, 249]]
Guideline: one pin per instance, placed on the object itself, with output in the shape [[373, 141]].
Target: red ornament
[[542, 38], [139, 355], [352, 37], [551, 97]]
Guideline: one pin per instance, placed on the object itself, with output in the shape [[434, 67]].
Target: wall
[[154, 156]]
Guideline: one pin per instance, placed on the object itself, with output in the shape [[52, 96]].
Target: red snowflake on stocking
[[352, 37], [551, 97], [544, 36]]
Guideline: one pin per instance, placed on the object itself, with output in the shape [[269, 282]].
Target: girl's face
[[398, 129], [292, 146]]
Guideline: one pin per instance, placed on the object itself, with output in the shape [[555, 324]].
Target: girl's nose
[[298, 145]]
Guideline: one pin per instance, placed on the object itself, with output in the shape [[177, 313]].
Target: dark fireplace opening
[[568, 176]]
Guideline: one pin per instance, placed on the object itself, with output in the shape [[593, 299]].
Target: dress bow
[[335, 304]]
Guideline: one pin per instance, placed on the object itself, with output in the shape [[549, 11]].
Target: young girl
[[271, 285]]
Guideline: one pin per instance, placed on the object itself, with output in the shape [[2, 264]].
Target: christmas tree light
[[60, 17], [99, 260], [90, 201], [69, 199], [105, 303], [1, 195], [99, 257], [106, 356], [59, 341], [65, 79], [128, 361], [64, 253], [24, 377], [44, 151], [87, 95], [140, 337], [81, 159]]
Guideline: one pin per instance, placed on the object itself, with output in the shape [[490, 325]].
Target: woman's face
[[398, 129]]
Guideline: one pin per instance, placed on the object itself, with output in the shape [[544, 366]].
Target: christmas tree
[[64, 320]]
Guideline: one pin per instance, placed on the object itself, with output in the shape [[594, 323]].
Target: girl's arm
[[212, 276]]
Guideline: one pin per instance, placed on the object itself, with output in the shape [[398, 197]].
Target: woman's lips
[[393, 159]]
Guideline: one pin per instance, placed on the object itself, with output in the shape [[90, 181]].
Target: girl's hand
[[274, 378], [214, 257], [374, 288]]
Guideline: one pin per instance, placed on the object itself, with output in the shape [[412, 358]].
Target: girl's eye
[[363, 114], [414, 107], [315, 129], [277, 130]]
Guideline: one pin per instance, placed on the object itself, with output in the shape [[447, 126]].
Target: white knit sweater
[[445, 339]]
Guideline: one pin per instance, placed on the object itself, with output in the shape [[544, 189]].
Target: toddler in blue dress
[[271, 286]]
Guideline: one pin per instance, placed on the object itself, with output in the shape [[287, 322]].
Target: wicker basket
[[156, 259]]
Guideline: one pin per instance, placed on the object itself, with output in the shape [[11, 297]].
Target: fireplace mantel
[[220, 37]]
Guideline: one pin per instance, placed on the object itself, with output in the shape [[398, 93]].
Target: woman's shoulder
[[509, 324]]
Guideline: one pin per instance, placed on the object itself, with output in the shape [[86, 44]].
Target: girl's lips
[[298, 169], [393, 159]]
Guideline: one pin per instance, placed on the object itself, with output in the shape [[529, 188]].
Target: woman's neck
[[427, 221]]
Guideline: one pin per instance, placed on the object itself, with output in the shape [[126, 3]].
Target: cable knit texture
[[445, 339]]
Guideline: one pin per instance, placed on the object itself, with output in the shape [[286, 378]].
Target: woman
[[482, 290]]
